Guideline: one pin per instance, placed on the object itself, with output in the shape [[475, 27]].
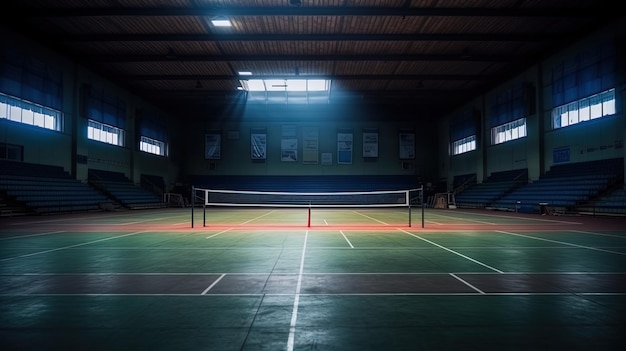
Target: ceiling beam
[[464, 56], [447, 77], [550, 12], [501, 37]]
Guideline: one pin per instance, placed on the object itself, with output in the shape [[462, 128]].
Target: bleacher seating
[[44, 189], [121, 189], [564, 187], [612, 203], [498, 184]]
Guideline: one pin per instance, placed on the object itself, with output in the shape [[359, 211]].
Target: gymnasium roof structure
[[422, 55]]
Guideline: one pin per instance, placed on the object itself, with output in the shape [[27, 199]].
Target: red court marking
[[534, 223]]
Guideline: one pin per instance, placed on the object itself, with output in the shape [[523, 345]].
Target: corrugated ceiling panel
[[148, 48], [372, 67], [360, 84], [189, 85], [284, 68], [278, 47], [286, 24], [172, 68], [382, 24], [443, 67]]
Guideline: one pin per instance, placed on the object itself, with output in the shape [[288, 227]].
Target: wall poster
[[327, 158], [213, 145], [258, 144], [289, 144], [344, 147], [310, 145], [370, 143], [407, 145]]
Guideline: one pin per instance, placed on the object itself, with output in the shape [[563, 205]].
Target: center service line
[[452, 251], [296, 301]]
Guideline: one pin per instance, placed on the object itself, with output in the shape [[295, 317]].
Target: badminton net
[[388, 207]]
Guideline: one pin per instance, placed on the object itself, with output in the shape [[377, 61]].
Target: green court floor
[[268, 279]]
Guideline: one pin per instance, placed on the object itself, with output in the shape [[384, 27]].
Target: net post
[[193, 202], [409, 214], [422, 203], [204, 214], [309, 216]]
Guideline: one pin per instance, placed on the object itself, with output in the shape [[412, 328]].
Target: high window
[[583, 85], [31, 90], [464, 130], [106, 116]]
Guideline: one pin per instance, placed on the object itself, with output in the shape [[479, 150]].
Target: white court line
[[218, 233], [372, 218], [255, 218], [563, 242], [465, 219], [31, 235], [296, 300], [601, 234], [71, 246], [212, 285], [341, 294], [452, 251], [466, 283], [515, 217], [344, 236], [180, 223]]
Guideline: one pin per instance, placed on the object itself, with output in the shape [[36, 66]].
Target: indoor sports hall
[[323, 175]]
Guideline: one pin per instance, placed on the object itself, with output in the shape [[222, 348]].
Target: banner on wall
[[344, 147], [258, 144], [212, 145], [289, 144], [407, 145], [370, 143], [310, 145], [561, 154]]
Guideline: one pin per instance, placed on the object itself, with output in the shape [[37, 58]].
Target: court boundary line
[[563, 243], [452, 251], [599, 234], [33, 235], [71, 246], [514, 217], [368, 217], [338, 294], [311, 273], [218, 233]]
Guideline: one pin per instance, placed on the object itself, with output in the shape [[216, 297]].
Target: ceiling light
[[221, 22], [244, 73]]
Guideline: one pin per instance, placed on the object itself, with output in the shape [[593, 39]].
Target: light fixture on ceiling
[[221, 21]]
